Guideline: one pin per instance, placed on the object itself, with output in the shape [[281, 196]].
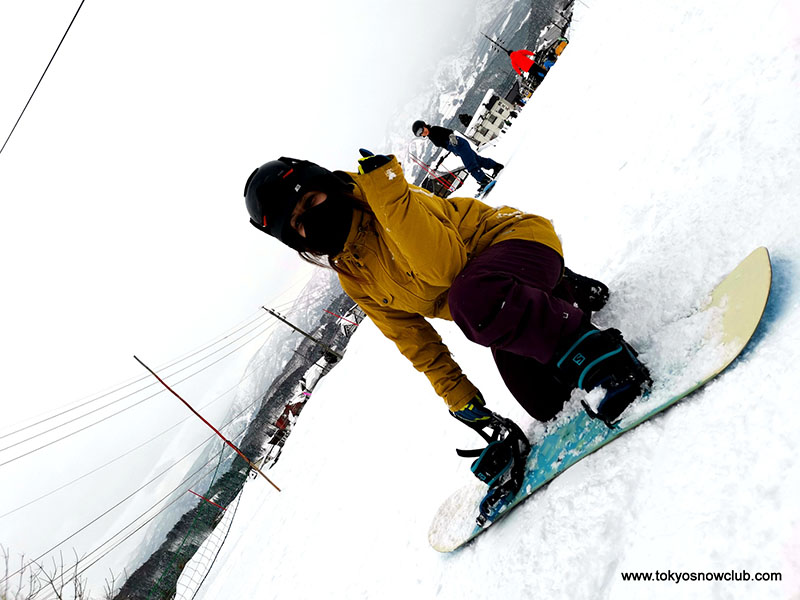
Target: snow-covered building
[[489, 121]]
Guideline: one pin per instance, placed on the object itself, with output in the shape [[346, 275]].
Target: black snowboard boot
[[590, 294], [592, 358]]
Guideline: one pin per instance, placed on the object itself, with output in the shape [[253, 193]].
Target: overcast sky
[[123, 226]]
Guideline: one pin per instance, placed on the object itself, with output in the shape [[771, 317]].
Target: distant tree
[[34, 580], [465, 119]]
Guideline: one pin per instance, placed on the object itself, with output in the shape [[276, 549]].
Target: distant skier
[[405, 256], [524, 61], [448, 140]]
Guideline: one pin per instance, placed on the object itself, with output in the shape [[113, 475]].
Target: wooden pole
[[340, 316], [224, 439], [207, 500]]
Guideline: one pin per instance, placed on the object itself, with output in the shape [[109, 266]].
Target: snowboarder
[[405, 255], [447, 139]]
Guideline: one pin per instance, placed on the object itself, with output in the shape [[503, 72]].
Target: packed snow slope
[[665, 146]]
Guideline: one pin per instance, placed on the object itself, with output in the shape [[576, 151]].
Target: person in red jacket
[[524, 61]]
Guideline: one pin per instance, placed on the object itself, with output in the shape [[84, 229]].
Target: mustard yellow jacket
[[399, 265]]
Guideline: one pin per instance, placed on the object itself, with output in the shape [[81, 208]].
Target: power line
[[245, 376], [132, 523], [248, 374], [246, 322], [43, 74], [132, 533], [119, 388], [133, 393], [117, 505], [143, 486], [128, 407], [132, 450], [181, 485]]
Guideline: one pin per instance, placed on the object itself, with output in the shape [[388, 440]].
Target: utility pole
[[497, 44], [328, 350]]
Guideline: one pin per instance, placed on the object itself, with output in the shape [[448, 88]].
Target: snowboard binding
[[621, 390], [485, 188], [500, 465], [604, 359]]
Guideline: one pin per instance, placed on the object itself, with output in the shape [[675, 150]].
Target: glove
[[371, 161], [475, 412]]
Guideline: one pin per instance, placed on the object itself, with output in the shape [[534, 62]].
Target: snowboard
[[486, 190], [730, 319]]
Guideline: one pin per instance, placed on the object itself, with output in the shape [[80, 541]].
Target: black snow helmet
[[417, 127], [273, 189]]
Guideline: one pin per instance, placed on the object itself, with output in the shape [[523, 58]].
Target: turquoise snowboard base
[[739, 299]]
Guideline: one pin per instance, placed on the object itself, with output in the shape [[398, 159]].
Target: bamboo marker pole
[[340, 316], [224, 439]]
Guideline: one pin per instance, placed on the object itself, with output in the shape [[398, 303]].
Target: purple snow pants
[[509, 298]]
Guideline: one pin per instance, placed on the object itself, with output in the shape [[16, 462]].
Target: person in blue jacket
[[447, 139]]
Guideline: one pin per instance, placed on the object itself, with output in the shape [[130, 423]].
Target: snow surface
[[665, 146]]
